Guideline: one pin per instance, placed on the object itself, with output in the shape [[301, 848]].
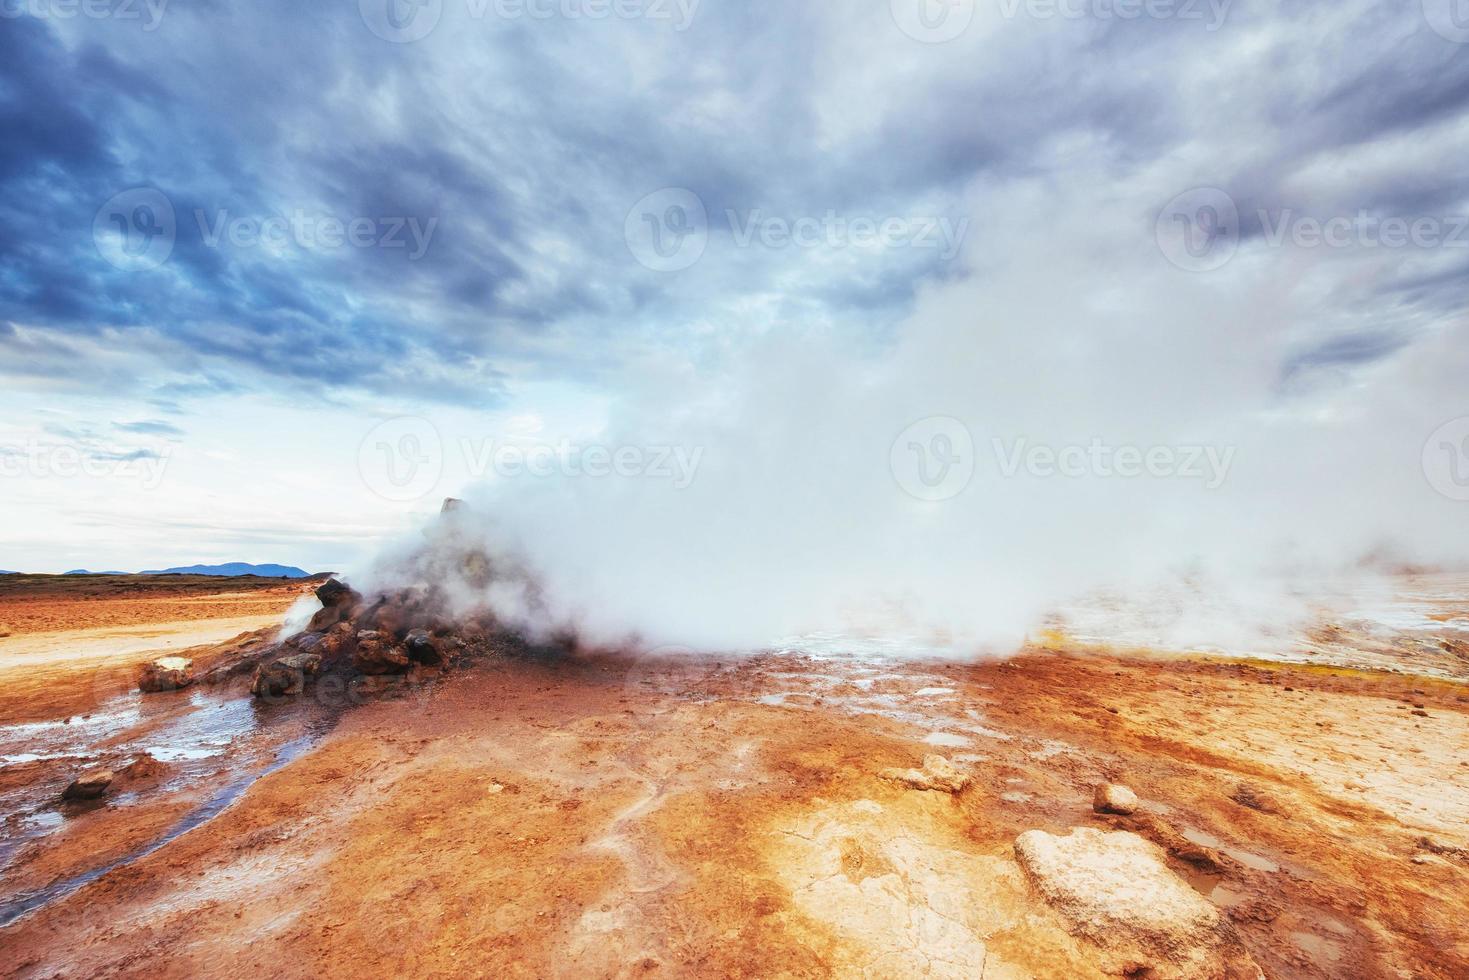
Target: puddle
[[1321, 950], [193, 733], [17, 906], [1214, 888], [22, 758], [1244, 857], [78, 727], [948, 739]]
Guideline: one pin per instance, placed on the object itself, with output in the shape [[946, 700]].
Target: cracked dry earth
[[732, 817]]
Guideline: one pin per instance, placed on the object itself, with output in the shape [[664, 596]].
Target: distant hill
[[228, 568], [233, 568], [3, 572]]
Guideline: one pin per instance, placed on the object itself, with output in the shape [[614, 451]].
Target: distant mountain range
[[229, 568], [234, 568]]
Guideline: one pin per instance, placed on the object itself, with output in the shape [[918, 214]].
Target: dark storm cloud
[[516, 149]]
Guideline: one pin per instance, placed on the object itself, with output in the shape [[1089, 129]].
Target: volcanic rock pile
[[398, 635]]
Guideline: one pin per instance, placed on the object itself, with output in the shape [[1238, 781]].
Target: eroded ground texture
[[770, 815]]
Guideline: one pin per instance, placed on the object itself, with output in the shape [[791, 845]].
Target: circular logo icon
[[668, 230], [932, 21], [1448, 18], [933, 459], [136, 229], [1446, 459], [401, 21], [401, 459], [1198, 230]]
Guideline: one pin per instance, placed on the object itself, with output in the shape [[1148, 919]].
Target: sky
[[859, 289]]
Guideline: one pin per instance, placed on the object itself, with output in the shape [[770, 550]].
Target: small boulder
[[377, 653], [286, 676], [337, 643], [90, 785], [334, 593], [937, 773], [422, 649], [1115, 890], [166, 674], [1114, 798]]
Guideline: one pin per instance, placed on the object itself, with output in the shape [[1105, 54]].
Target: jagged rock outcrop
[[379, 653], [411, 631], [285, 676]]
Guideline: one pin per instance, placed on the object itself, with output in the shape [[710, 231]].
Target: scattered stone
[[377, 653], [1115, 890], [166, 674], [1114, 798], [285, 677], [90, 785], [1420, 713], [937, 773]]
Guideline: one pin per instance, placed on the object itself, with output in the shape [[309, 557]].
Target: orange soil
[[43, 604], [69, 643], [605, 818]]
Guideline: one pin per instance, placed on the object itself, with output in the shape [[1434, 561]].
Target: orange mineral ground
[[777, 814]]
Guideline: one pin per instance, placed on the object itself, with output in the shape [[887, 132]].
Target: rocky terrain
[[387, 790]]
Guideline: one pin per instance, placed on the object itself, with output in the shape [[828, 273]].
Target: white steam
[[1069, 330]]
